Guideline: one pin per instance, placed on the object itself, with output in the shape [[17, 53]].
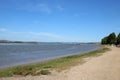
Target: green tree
[[111, 38], [104, 40], [118, 39]]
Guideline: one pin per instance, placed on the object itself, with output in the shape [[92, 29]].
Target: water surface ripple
[[18, 54]]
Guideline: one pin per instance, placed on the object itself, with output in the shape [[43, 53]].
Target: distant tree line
[[7, 41], [111, 39]]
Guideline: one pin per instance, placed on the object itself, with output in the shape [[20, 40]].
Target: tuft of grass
[[44, 72], [45, 67]]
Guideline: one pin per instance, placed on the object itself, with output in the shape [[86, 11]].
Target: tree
[[118, 39], [111, 38], [104, 40]]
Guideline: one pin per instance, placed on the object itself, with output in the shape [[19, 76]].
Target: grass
[[44, 68], [45, 72]]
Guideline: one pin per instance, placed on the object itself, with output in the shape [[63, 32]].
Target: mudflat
[[104, 67]]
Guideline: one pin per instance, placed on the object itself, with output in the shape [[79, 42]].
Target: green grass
[[44, 68], [45, 72]]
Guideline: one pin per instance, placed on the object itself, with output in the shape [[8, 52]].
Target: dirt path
[[105, 67]]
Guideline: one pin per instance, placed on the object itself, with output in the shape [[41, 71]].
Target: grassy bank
[[45, 67]]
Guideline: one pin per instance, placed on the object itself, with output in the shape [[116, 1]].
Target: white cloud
[[30, 36], [80, 14], [34, 6], [42, 34], [44, 8], [3, 29], [38, 7], [76, 15], [36, 36], [45, 34], [60, 8], [27, 5]]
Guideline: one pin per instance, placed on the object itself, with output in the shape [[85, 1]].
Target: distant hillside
[[7, 41]]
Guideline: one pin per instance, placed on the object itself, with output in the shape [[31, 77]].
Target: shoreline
[[58, 64], [37, 61], [104, 67]]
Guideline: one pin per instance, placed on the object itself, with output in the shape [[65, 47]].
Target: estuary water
[[19, 54]]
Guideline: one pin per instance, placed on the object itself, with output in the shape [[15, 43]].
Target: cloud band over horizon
[[32, 36]]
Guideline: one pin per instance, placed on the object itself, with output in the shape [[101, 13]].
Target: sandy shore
[[105, 67]]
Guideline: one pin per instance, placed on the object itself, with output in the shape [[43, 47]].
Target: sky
[[58, 20]]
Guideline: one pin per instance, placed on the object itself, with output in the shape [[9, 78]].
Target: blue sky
[[58, 20]]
